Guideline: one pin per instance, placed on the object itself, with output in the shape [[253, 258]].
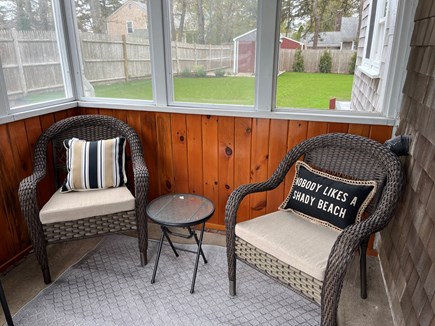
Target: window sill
[[279, 113], [370, 72], [15, 116]]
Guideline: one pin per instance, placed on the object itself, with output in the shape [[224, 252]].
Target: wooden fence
[[340, 60], [31, 62]]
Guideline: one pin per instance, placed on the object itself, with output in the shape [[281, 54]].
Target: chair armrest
[[141, 181], [27, 196]]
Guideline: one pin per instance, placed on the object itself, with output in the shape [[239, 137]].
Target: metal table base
[[199, 252]]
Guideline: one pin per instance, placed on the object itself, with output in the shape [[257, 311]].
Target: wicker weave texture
[[350, 155], [87, 127], [91, 226], [290, 276]]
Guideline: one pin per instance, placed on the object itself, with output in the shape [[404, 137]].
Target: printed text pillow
[[330, 200], [94, 164]]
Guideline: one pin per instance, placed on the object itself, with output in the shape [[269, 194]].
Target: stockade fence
[[31, 62]]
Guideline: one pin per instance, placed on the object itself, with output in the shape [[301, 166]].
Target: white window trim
[[371, 66], [265, 84], [132, 26]]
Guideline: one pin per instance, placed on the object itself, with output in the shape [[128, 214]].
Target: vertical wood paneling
[[277, 150], [226, 163], [210, 163], [338, 127], [361, 130], [149, 145], [259, 163], [179, 152], [206, 155], [10, 242], [194, 153], [164, 157], [242, 161], [316, 128], [380, 133], [297, 132]]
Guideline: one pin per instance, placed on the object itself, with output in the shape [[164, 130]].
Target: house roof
[[252, 36], [141, 5], [347, 33]]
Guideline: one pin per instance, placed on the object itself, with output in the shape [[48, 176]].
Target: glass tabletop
[[180, 210]]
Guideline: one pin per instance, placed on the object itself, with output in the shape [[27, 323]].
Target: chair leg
[[363, 268], [143, 258], [233, 288], [5, 307]]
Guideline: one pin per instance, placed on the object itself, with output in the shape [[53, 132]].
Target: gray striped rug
[[108, 287]]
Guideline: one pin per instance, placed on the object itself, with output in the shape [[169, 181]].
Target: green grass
[[311, 90], [295, 90]]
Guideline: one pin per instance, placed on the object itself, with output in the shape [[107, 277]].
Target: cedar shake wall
[[407, 253], [366, 90]]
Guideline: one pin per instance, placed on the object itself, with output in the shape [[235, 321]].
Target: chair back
[[86, 127], [352, 157]]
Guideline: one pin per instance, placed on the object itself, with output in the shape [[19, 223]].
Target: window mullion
[[158, 58], [267, 54], [72, 43], [4, 101]]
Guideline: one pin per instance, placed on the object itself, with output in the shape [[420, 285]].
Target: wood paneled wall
[[201, 154]]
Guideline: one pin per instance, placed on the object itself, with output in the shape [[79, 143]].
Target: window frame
[[375, 38], [265, 85], [46, 106], [132, 27]]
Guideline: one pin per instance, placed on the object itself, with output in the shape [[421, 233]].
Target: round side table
[[180, 211]]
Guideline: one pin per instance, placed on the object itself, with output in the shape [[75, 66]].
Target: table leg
[[5, 306], [157, 258], [192, 233], [198, 253], [164, 230]]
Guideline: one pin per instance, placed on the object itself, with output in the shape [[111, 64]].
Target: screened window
[[213, 52], [115, 60], [33, 58]]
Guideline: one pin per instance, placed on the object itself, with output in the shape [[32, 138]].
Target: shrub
[[325, 64], [199, 71], [219, 72], [298, 65], [352, 64], [186, 72]]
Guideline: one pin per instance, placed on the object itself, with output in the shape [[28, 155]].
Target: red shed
[[244, 51]]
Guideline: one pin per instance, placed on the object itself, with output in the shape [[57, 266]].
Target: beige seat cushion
[[81, 204], [292, 239]]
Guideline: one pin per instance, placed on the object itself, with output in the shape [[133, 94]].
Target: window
[[375, 35], [130, 27], [33, 59], [115, 60], [213, 52]]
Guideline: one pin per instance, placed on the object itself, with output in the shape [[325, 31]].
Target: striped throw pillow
[[94, 164]]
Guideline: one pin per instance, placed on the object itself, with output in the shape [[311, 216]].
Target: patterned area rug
[[108, 287]]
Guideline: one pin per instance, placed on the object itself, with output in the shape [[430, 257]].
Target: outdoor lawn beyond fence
[[31, 63]]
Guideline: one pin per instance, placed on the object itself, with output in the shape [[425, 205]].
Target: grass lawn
[[295, 90]]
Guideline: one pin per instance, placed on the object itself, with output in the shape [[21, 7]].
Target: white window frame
[[128, 28], [375, 38], [46, 106], [265, 84]]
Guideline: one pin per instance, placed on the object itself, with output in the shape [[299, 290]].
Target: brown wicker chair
[[87, 127], [344, 154]]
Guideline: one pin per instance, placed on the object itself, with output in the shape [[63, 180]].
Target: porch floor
[[24, 281]]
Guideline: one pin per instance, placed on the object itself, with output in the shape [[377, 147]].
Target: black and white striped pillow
[[94, 164]]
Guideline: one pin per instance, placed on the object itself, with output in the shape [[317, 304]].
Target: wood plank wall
[[207, 155]]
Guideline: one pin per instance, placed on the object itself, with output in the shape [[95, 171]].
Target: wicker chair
[[344, 154], [86, 127]]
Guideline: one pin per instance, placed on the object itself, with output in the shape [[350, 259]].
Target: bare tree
[[96, 16], [201, 28], [182, 18]]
